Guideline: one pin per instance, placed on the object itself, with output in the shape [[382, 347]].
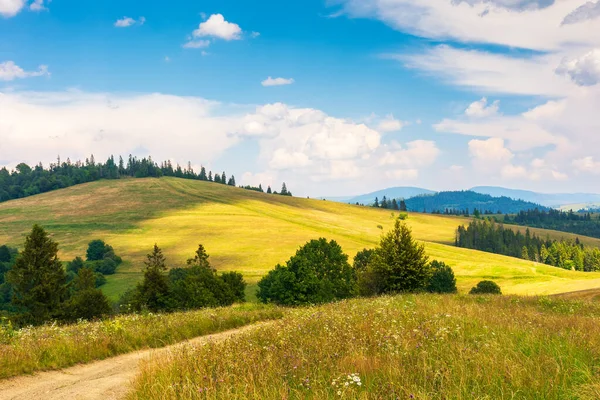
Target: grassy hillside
[[403, 347], [248, 232]]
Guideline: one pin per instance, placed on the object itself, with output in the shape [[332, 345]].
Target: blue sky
[[438, 94]]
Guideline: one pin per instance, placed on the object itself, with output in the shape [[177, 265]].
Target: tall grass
[[55, 346], [405, 347]]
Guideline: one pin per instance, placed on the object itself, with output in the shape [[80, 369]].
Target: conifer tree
[[284, 191], [403, 207], [210, 177], [223, 178], [202, 176], [376, 204], [154, 290], [38, 278], [269, 191]]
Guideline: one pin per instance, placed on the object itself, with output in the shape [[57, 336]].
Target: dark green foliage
[[236, 283], [579, 223], [96, 250], [153, 292], [318, 273], [38, 278], [486, 287], [87, 302], [5, 254], [442, 278], [398, 265], [491, 237], [269, 191], [362, 259], [75, 265], [108, 266]]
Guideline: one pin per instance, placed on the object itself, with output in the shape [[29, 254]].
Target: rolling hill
[[468, 200], [249, 231], [390, 193]]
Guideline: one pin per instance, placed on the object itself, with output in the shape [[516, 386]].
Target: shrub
[[399, 264], [108, 266], [442, 278], [75, 265], [362, 259], [318, 273], [236, 283], [486, 287]]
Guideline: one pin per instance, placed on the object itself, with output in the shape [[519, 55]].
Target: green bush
[[442, 278], [236, 283], [318, 273], [486, 287]]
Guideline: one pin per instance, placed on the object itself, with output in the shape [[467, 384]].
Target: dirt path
[[107, 379]]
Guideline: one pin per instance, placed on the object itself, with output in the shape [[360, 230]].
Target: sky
[[334, 97]]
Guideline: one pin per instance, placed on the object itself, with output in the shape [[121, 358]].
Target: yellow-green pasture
[[249, 232]]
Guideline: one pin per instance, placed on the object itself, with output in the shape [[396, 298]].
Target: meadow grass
[[249, 232], [404, 347], [54, 346]]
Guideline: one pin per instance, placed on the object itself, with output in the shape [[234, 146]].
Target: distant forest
[[459, 203], [26, 181], [489, 236], [582, 224]]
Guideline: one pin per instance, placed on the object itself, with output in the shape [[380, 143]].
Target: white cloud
[[390, 124], [38, 5], [277, 82], [285, 159], [126, 22], [403, 174], [506, 23], [480, 109], [10, 8], [587, 164], [196, 44], [587, 11], [489, 153], [9, 71], [418, 153], [216, 26], [254, 35], [584, 70]]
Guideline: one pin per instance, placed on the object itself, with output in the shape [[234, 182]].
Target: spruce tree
[[284, 191], [38, 278], [210, 177], [399, 264], [223, 178], [269, 191], [154, 290], [202, 176], [403, 207]]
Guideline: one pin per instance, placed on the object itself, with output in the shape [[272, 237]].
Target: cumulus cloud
[[216, 26], [587, 164], [490, 152], [584, 70], [10, 71], [277, 82], [10, 8], [588, 11], [126, 22], [38, 5], [390, 124], [480, 109], [418, 153]]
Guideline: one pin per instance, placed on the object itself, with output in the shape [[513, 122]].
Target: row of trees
[[36, 288], [492, 237], [579, 223], [319, 272], [26, 181], [196, 286], [398, 205]]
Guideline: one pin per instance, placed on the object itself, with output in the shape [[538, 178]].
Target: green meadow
[[250, 232]]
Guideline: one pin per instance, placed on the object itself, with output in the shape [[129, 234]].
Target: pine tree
[[202, 176], [223, 178], [260, 189], [284, 191], [38, 278], [200, 259], [231, 181], [210, 177], [269, 191], [395, 205], [376, 204], [154, 290], [87, 302], [399, 264], [403, 207]]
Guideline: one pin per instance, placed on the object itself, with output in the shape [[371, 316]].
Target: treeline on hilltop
[[579, 223], [457, 203], [35, 287], [492, 237], [26, 181]]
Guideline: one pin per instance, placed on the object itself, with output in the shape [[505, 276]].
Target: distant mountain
[[468, 200], [545, 199], [390, 193]]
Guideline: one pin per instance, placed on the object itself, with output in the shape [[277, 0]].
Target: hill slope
[[390, 193], [248, 231]]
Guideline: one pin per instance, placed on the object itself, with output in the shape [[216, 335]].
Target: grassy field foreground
[[404, 347], [53, 346], [250, 232]]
